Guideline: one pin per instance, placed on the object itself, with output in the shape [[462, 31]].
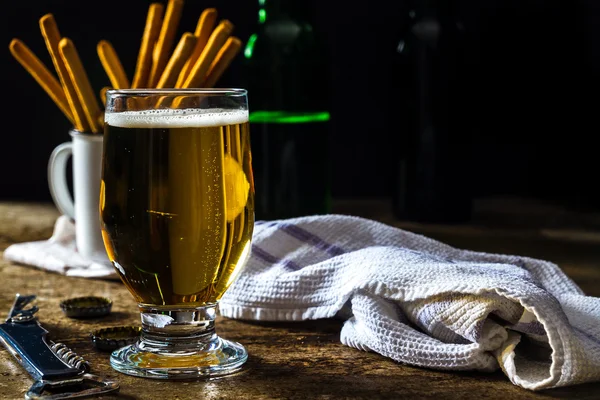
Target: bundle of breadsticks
[[73, 94], [197, 60]]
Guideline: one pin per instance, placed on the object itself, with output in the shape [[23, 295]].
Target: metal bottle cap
[[86, 307], [110, 339]]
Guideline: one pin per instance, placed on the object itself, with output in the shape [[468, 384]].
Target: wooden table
[[304, 360]]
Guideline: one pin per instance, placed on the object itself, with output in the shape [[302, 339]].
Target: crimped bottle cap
[[86, 307], [110, 339]]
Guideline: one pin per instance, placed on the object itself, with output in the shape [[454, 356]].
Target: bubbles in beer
[[179, 209]]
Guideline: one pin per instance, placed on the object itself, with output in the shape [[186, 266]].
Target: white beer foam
[[174, 118]]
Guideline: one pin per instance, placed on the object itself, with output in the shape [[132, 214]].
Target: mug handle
[[57, 179]]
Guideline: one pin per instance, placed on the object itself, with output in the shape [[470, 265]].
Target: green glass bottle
[[286, 74]]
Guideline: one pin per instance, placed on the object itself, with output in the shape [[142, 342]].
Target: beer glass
[[177, 215]]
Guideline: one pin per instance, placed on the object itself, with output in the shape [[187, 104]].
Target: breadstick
[[81, 82], [144, 60], [103, 95], [166, 38], [51, 36], [112, 65], [42, 75], [204, 27], [222, 60], [180, 55], [215, 42]]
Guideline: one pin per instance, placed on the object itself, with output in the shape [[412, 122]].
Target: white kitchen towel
[[421, 302], [59, 254], [402, 295]]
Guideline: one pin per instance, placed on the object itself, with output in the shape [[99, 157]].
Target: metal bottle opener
[[53, 366]]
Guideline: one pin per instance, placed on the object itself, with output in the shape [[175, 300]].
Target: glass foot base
[[173, 361]]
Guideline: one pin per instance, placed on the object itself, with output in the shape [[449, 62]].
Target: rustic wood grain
[[287, 360]]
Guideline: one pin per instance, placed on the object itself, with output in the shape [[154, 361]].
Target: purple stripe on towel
[[533, 327], [266, 224], [587, 335], [307, 237], [271, 259]]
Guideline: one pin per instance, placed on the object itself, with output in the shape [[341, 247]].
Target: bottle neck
[[276, 9]]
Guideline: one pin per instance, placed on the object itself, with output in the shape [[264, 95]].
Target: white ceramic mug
[[83, 206]]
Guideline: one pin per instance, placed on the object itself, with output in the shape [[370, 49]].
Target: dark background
[[529, 99]]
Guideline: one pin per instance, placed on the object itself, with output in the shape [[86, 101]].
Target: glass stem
[[166, 323]]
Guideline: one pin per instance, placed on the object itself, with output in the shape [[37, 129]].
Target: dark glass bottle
[[286, 75], [433, 179]]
